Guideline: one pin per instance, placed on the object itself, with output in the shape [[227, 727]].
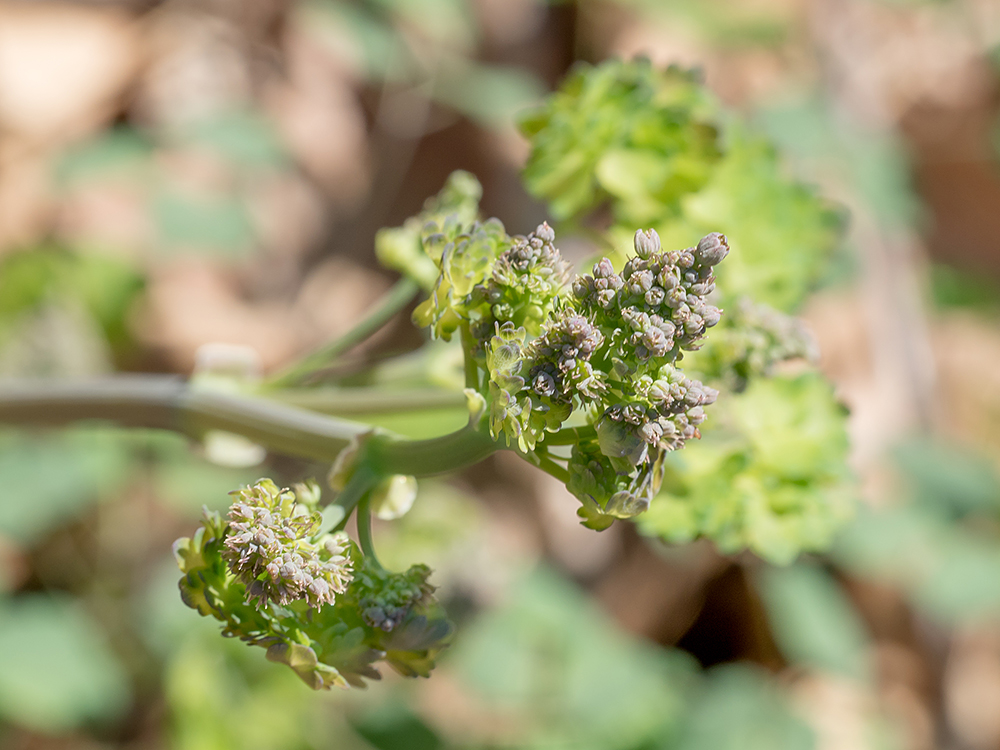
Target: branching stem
[[385, 310], [168, 403]]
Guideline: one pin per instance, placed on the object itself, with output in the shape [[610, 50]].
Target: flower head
[[272, 548]]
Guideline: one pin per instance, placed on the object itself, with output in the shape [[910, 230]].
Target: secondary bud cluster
[[657, 305], [270, 548], [385, 599], [527, 279], [560, 360], [607, 494], [665, 413]]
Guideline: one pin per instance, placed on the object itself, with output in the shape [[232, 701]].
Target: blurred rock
[[197, 67], [63, 68]]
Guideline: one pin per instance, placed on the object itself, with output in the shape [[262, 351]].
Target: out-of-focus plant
[[580, 375], [651, 146]]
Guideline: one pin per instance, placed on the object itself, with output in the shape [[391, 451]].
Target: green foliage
[[656, 148], [770, 477], [562, 675], [58, 671], [653, 147], [813, 622], [941, 546]]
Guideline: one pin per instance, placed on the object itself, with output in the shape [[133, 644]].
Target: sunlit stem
[[385, 310], [365, 539], [551, 468], [160, 402], [359, 485], [571, 435]]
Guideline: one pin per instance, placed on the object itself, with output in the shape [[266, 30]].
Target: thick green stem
[[571, 435], [471, 368], [363, 401], [387, 308], [551, 468], [169, 403], [359, 485], [421, 458]]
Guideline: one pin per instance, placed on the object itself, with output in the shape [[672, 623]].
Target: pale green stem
[[471, 368], [363, 401], [551, 468], [365, 538], [387, 308], [169, 403]]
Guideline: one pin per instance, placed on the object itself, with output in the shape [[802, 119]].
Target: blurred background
[[179, 173]]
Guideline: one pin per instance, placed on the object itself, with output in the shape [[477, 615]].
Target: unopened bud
[[712, 248], [647, 242]]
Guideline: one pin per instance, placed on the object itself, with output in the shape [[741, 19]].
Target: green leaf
[[47, 481], [812, 620], [740, 709], [58, 672]]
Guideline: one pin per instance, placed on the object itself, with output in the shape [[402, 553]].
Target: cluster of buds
[[386, 599], [606, 493], [272, 548], [658, 304], [514, 412], [560, 360], [528, 277], [465, 255], [664, 414]]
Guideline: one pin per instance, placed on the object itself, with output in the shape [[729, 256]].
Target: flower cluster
[[658, 304], [528, 278], [402, 248], [272, 547], [515, 412], [663, 413], [605, 493], [560, 360], [378, 616], [608, 349], [385, 599], [465, 255]]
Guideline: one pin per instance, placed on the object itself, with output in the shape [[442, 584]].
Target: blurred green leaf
[[118, 152], [244, 138], [955, 288], [488, 94], [48, 481], [216, 222], [57, 672], [812, 620], [567, 674], [740, 709], [941, 543], [393, 726], [949, 477]]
